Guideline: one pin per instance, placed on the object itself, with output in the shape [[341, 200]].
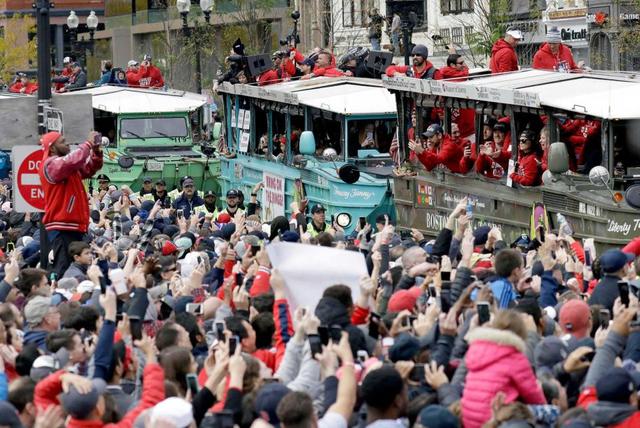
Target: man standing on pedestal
[[66, 217]]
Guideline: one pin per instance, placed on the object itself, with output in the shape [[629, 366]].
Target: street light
[[73, 22], [92, 24], [206, 6], [184, 6]]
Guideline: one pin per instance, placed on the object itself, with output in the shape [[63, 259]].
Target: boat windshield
[[154, 127], [370, 134]]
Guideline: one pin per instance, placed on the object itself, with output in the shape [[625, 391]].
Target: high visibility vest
[[203, 209], [312, 231], [174, 194]]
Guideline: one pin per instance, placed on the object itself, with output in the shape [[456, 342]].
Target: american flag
[[394, 150]]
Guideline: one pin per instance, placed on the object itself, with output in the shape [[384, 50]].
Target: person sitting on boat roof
[[325, 66], [233, 203], [279, 72], [151, 75], [317, 224], [553, 55], [354, 62], [63, 77], [306, 66], [421, 69], [133, 73], [77, 80], [528, 172], [503, 52], [188, 199], [23, 85], [443, 150]]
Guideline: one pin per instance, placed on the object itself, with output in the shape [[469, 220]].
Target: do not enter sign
[[28, 194]]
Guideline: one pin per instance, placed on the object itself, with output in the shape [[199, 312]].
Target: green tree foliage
[[16, 50]]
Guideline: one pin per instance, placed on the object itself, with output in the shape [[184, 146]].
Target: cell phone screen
[[623, 288], [233, 343], [335, 333], [363, 222], [484, 314], [135, 326], [315, 344], [323, 332], [417, 373], [220, 331], [192, 384], [605, 318]]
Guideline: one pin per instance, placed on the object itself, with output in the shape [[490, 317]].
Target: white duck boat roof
[[123, 99], [348, 96], [604, 95]]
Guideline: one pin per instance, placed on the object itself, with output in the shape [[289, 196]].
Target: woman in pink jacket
[[496, 363]]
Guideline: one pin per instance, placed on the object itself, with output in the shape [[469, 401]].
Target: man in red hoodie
[[151, 75], [553, 55], [325, 66], [66, 217], [503, 53], [421, 69], [443, 150]]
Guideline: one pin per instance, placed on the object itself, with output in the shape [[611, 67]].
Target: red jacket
[[65, 199], [496, 363], [578, 132], [503, 57], [29, 89], [133, 77], [448, 154], [330, 71], [48, 389], [544, 59], [151, 77], [466, 164], [272, 76], [429, 70], [449, 72], [66, 72], [528, 171]]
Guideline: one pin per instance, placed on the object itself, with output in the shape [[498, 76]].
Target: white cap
[[174, 410], [132, 63], [85, 286], [66, 60], [516, 34]]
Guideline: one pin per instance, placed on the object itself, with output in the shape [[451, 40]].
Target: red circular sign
[[28, 180]]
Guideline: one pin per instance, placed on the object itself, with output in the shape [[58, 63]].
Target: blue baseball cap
[[612, 261]]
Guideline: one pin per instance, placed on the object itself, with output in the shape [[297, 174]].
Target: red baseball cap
[[168, 248]]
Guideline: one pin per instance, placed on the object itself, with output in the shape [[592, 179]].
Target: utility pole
[[44, 60]]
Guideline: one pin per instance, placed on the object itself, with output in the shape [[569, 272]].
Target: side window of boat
[[327, 133], [370, 134], [261, 132], [279, 135]]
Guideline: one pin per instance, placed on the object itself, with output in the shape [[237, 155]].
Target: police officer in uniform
[[146, 193], [317, 224], [209, 206]]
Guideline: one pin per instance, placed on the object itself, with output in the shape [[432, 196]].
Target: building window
[[354, 13], [456, 36], [445, 33], [455, 6], [468, 34]]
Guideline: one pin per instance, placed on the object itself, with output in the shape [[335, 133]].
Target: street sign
[[53, 119], [28, 195]]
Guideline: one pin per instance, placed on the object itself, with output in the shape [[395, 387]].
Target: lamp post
[[73, 22], [92, 24], [184, 6]]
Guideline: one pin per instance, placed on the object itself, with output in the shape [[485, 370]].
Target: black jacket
[[606, 292]]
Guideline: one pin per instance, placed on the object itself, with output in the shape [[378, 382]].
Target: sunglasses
[[524, 141], [460, 63], [188, 186]]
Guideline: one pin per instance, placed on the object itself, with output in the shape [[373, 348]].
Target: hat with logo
[[132, 63], [233, 193], [553, 35], [210, 193], [502, 127], [161, 182], [317, 208], [66, 60], [574, 317], [516, 34], [80, 405], [267, 400], [613, 260], [432, 130], [309, 62], [290, 236], [147, 180], [103, 177], [188, 182]]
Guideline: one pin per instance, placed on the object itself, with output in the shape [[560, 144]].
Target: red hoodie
[[578, 132], [424, 74], [447, 154], [503, 57], [544, 59], [528, 172], [151, 77]]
